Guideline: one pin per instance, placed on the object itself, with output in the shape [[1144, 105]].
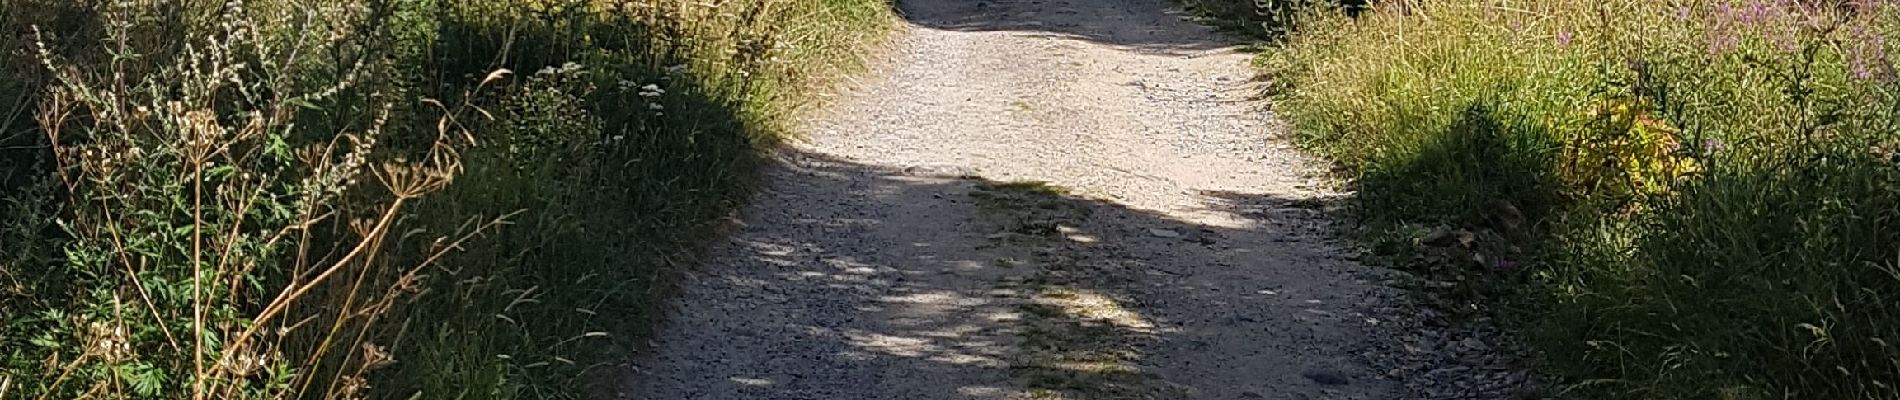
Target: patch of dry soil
[[1176, 251]]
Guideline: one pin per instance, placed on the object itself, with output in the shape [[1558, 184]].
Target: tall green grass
[[1671, 199], [375, 198]]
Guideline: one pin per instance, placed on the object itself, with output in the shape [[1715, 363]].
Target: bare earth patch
[[1035, 199]]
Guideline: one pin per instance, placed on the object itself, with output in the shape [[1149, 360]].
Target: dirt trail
[[885, 259]]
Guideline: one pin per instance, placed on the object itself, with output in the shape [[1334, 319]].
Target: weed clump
[[373, 198]]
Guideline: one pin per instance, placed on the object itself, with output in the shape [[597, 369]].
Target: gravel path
[[869, 269]]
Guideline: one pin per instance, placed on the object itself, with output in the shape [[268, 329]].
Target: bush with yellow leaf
[[1625, 153]]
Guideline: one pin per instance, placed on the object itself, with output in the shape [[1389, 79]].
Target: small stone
[[1328, 378], [1473, 344], [1443, 236]]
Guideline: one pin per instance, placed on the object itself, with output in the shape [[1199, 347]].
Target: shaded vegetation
[[374, 198], [1676, 199], [1269, 19]]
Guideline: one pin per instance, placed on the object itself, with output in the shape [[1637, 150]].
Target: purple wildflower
[[1867, 54], [1786, 41], [1713, 145], [1866, 6], [1503, 264], [1563, 39], [1723, 32], [1721, 41]]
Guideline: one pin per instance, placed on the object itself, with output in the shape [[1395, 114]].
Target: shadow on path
[[1153, 25], [854, 281], [893, 257]]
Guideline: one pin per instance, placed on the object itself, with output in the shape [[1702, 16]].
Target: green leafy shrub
[[1708, 187]]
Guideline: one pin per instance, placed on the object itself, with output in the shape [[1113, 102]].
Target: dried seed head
[[375, 357]]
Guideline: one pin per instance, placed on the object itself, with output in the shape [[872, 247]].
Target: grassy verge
[[1673, 199], [375, 198]]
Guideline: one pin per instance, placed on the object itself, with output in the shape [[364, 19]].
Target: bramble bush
[[1667, 199], [374, 198]]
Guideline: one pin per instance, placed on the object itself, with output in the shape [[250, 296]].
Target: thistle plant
[[218, 248]]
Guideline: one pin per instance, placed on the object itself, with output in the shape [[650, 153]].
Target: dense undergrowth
[[1264, 19], [1666, 199], [374, 198]]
